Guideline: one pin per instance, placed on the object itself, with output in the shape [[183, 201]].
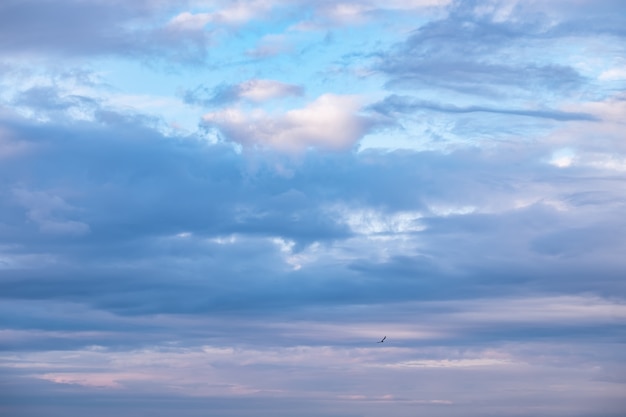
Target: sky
[[219, 207]]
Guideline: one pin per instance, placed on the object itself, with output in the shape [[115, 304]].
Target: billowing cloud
[[330, 122]]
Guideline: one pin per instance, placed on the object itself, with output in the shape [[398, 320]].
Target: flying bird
[[382, 340]]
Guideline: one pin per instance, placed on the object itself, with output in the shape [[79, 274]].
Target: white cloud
[[100, 380], [347, 12], [234, 14], [447, 363], [12, 147], [372, 222], [410, 4], [563, 158], [189, 21], [613, 74], [598, 144], [358, 12], [259, 90], [330, 122], [573, 310], [243, 11]]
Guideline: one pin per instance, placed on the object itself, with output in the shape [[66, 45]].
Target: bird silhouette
[[382, 340]]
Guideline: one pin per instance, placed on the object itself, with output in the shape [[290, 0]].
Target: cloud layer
[[221, 207]]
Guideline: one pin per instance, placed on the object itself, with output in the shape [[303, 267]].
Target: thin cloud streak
[[403, 104]]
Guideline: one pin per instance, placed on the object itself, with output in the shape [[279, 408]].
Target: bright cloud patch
[[233, 14], [331, 122], [263, 90]]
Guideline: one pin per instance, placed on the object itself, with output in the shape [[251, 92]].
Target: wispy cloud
[[482, 50], [404, 104], [70, 28]]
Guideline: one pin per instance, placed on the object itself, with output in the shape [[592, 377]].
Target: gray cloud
[[404, 104], [75, 28], [148, 271], [48, 99], [177, 216], [478, 54]]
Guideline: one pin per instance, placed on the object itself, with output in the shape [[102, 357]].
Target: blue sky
[[219, 207]]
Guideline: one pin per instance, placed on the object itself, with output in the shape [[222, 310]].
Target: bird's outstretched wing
[[382, 340]]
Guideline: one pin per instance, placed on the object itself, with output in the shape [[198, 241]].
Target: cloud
[[253, 90], [404, 104], [263, 90], [44, 209], [269, 46], [470, 76], [189, 265], [332, 14], [330, 122], [222, 13], [478, 52], [48, 101], [606, 151], [221, 365], [190, 21], [75, 28], [576, 241], [152, 270], [115, 197]]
